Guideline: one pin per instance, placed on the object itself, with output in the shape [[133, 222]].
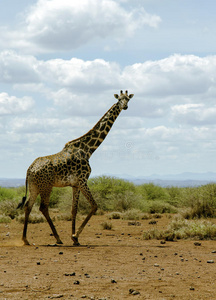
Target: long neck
[[90, 141]]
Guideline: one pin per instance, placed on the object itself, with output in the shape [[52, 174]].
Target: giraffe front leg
[[86, 192], [76, 193]]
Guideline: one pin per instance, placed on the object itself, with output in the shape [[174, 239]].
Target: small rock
[[133, 292], [76, 282], [38, 263], [163, 242], [113, 281], [56, 296], [210, 261], [60, 252], [156, 265], [197, 243], [192, 288], [214, 251], [8, 234], [152, 222]]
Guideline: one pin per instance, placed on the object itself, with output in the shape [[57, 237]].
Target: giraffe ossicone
[[69, 167]]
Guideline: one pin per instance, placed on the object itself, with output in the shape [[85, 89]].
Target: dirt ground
[[109, 264]]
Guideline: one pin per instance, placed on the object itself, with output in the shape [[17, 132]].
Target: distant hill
[[180, 180], [12, 182]]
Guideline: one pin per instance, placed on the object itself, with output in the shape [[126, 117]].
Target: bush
[[107, 226], [184, 229], [153, 192], [114, 215], [34, 218], [5, 219], [161, 207], [8, 208], [132, 214], [7, 194]]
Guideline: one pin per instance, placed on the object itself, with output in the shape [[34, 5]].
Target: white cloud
[[15, 68], [195, 114], [11, 105], [80, 75], [64, 25], [175, 75]]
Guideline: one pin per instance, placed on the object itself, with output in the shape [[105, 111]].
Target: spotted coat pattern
[[69, 167]]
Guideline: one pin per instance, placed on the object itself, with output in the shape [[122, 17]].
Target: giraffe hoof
[[75, 240], [26, 243], [59, 242]]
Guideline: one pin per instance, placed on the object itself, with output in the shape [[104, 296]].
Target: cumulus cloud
[[64, 25], [180, 87], [194, 114], [15, 68], [174, 75], [11, 105]]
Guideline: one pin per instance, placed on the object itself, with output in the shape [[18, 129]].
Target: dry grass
[[181, 228], [107, 225]]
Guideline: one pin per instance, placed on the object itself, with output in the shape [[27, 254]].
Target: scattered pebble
[[70, 274], [60, 252], [113, 281], [214, 251], [210, 261], [76, 282], [192, 288], [156, 265], [134, 223], [152, 222], [197, 243], [133, 292], [56, 296], [38, 263]]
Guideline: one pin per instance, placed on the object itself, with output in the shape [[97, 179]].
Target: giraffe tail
[[21, 204]]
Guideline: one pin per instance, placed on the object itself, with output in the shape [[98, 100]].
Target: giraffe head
[[123, 98]]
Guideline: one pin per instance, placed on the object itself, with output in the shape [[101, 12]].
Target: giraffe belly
[[68, 180]]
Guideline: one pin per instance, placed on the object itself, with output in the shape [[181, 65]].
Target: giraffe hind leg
[[45, 212], [28, 207]]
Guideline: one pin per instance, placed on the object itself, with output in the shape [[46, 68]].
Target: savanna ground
[[132, 254]]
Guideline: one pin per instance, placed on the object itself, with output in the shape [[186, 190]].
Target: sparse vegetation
[[181, 228], [107, 225], [124, 200]]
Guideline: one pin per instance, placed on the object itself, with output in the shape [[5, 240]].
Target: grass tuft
[[181, 228], [107, 226]]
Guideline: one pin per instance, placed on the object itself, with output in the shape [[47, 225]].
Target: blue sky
[[62, 61]]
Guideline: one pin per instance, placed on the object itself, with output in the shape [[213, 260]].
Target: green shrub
[[161, 207], [153, 192], [7, 194]]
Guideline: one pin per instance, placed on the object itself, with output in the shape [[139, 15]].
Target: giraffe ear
[[131, 96], [116, 96]]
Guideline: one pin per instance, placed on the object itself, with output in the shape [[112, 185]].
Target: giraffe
[[69, 167]]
